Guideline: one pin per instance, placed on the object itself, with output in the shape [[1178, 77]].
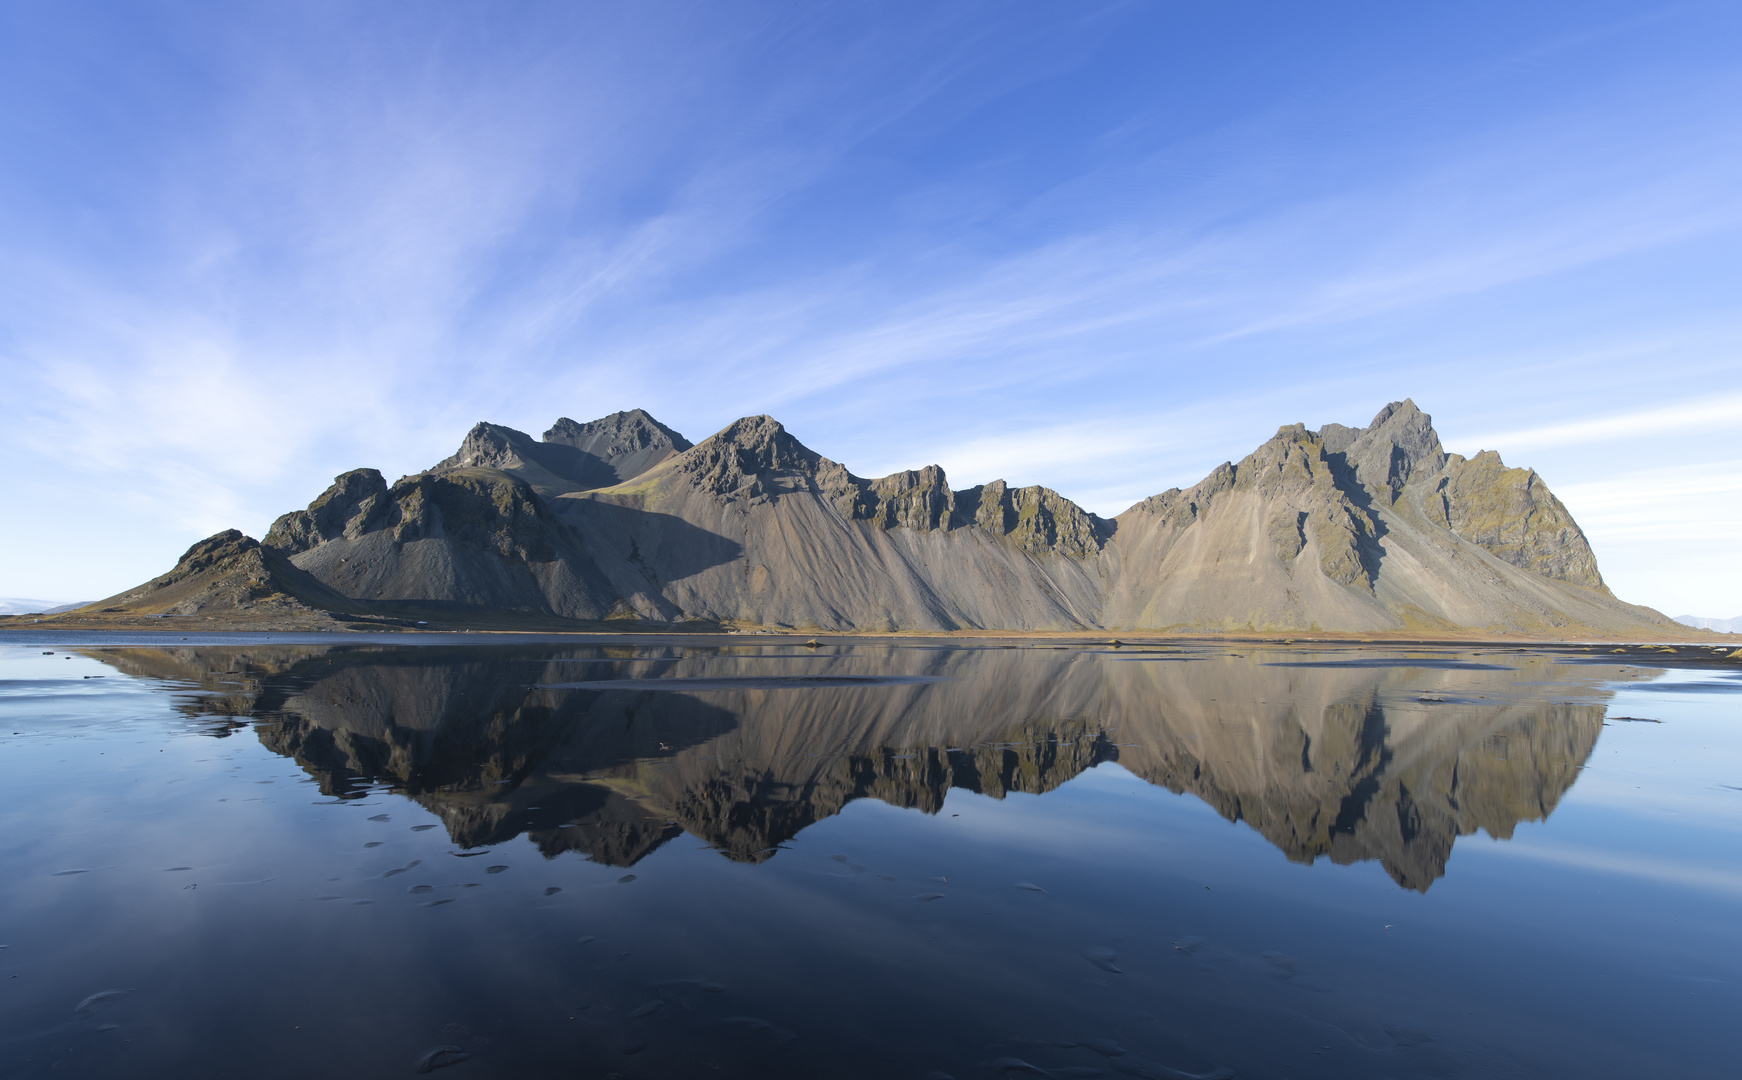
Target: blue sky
[[1102, 247]]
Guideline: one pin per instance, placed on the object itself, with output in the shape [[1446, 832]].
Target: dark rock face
[[1361, 529], [619, 447], [490, 446], [1295, 474], [1400, 443], [572, 456], [618, 436], [757, 458], [477, 510], [470, 538], [228, 547], [917, 499], [1038, 520], [357, 501], [1512, 513], [226, 573]]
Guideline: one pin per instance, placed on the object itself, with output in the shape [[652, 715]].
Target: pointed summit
[[741, 455], [1400, 443], [491, 446], [601, 453], [625, 444], [1369, 529], [632, 428]]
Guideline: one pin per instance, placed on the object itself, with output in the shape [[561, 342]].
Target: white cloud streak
[[376, 242], [1704, 413]]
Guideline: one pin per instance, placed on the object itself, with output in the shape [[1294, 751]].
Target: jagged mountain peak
[[356, 501], [1399, 444], [572, 456], [734, 458], [619, 434], [1360, 529], [489, 446], [757, 432], [1513, 515], [755, 456]]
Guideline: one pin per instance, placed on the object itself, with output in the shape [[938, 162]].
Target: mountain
[[1722, 626], [572, 456], [1324, 758], [1369, 530], [17, 605]]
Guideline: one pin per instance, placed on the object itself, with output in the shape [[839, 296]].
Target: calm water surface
[[272, 860]]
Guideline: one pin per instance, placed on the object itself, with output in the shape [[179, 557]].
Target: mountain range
[[622, 520], [18, 605], [1722, 626]]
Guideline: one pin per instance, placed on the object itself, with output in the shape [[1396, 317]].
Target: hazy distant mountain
[[1359, 529], [13, 605], [1723, 626]]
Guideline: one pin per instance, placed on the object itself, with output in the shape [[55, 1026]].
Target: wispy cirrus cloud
[[1722, 412], [954, 236], [1673, 506]]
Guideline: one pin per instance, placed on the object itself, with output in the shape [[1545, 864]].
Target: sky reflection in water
[[282, 860]]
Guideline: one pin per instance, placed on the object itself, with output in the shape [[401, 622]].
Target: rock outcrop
[[1349, 529], [624, 444], [227, 574], [465, 537], [572, 456], [1512, 515]]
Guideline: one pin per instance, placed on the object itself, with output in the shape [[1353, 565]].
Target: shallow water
[[366, 860]]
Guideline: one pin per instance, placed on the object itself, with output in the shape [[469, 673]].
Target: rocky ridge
[[1369, 529]]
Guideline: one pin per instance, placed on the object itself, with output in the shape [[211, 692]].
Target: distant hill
[[13, 605], [1369, 529], [1723, 626]]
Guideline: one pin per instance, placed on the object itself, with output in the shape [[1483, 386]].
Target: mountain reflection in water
[[865, 861], [1349, 758]]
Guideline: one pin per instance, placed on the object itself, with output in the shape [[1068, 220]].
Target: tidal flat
[[289, 857]]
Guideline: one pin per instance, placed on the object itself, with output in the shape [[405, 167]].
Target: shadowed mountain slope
[[1348, 529], [230, 574]]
